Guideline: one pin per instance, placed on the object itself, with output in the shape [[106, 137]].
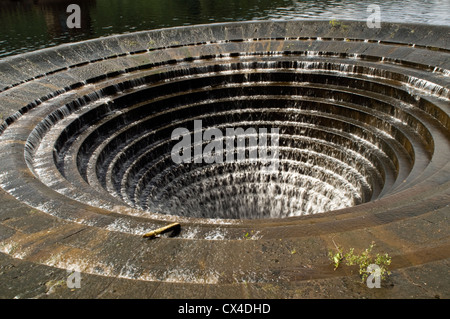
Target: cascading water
[[361, 120], [117, 137], [316, 173]]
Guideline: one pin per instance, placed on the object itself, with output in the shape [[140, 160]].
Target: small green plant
[[248, 235], [338, 24], [363, 260], [131, 43], [336, 258], [334, 23]]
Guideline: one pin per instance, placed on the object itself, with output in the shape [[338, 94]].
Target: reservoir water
[[28, 25]]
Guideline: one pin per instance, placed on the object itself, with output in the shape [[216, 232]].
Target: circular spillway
[[342, 139], [338, 123]]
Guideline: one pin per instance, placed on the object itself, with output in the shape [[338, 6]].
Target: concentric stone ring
[[364, 143]]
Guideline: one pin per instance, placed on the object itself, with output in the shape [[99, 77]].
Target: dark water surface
[[27, 25]]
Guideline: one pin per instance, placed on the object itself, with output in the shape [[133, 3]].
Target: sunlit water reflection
[[29, 25]]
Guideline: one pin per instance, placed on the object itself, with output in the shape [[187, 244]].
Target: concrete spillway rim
[[208, 25]]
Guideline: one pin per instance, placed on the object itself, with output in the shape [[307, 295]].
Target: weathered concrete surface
[[44, 232]]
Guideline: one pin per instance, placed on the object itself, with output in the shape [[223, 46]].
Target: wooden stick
[[161, 230]]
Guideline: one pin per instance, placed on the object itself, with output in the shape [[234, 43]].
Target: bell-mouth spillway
[[363, 141]]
